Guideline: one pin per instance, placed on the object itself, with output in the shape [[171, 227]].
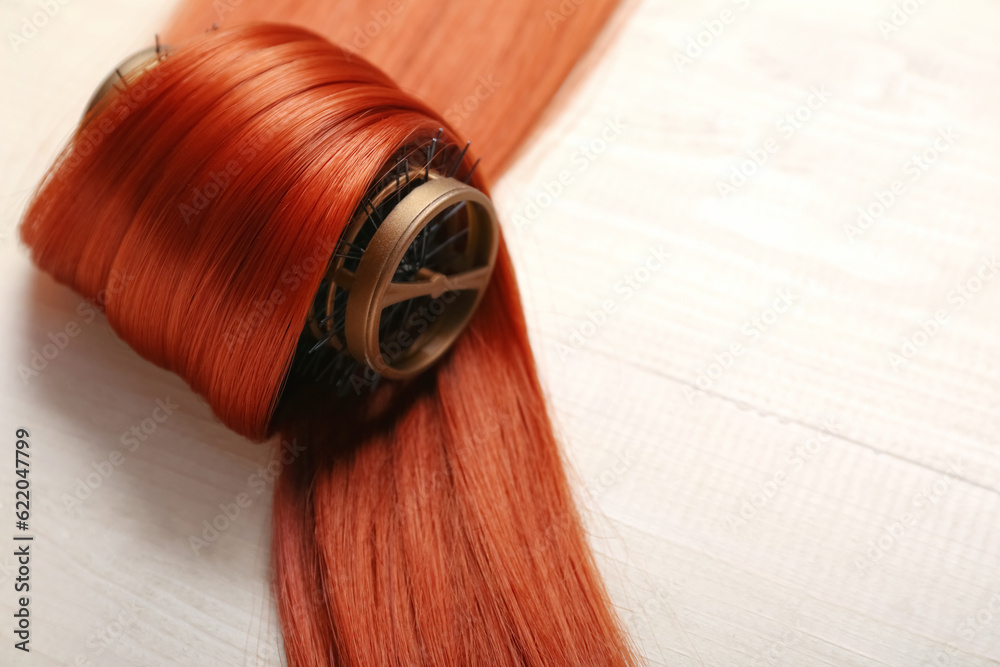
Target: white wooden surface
[[801, 501]]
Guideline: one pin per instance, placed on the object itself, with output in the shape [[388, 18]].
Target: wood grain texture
[[762, 487]]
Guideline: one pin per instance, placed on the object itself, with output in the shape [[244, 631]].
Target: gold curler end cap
[[448, 289], [128, 70]]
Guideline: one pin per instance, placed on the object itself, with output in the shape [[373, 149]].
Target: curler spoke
[[343, 278], [433, 284]]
